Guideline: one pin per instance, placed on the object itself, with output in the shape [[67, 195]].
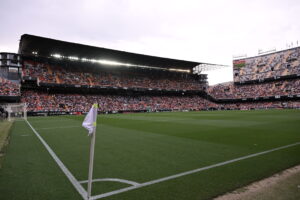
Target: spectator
[[9, 88], [130, 79], [275, 88]]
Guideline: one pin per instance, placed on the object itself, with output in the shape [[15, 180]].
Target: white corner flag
[[90, 123], [90, 119]]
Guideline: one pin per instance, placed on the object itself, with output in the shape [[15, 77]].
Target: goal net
[[15, 111]]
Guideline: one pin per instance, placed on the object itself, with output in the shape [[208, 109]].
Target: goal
[[16, 111]]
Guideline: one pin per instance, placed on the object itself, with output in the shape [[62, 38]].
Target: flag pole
[[92, 148]]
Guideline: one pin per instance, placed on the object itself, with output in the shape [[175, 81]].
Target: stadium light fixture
[[113, 63], [180, 70], [108, 62], [73, 58], [56, 55]]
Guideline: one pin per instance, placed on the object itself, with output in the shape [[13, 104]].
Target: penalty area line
[[189, 172], [65, 170]]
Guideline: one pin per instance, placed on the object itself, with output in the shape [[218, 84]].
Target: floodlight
[[179, 70], [56, 55], [109, 62], [73, 58]]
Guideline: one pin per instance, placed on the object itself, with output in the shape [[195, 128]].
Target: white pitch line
[[65, 170], [113, 180], [189, 172]]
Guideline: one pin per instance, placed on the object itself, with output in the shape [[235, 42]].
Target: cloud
[[204, 31]]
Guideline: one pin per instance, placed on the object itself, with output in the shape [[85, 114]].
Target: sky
[[195, 30]]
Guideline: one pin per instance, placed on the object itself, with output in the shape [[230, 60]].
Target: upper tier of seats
[[151, 79], [283, 63]]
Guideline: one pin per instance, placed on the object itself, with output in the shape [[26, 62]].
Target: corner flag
[[90, 119], [90, 122]]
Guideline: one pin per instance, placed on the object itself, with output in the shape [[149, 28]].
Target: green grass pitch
[[150, 146]]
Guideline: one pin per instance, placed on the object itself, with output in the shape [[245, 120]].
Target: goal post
[[16, 111]]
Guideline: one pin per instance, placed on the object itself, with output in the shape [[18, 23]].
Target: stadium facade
[[58, 77]]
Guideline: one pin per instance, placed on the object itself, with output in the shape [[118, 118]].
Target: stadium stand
[[41, 101], [152, 79], [267, 89], [271, 66], [78, 103], [275, 76]]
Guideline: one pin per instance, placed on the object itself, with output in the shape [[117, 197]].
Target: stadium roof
[[46, 47]]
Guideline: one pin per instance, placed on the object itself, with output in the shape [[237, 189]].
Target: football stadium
[[162, 131]]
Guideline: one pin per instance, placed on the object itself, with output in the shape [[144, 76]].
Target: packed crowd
[[275, 88], [41, 101], [9, 88], [282, 63], [45, 73], [260, 105], [138, 79]]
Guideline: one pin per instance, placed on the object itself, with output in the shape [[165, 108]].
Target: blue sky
[[204, 31]]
